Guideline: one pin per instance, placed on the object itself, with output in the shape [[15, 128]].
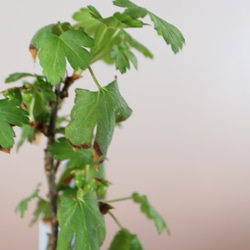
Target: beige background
[[186, 145]]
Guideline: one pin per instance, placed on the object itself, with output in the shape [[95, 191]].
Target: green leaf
[[10, 114], [94, 12], [17, 76], [63, 151], [138, 46], [86, 20], [28, 133], [169, 32], [35, 38], [39, 104], [39, 110], [82, 218], [127, 21], [42, 211], [122, 55], [150, 212], [14, 93], [133, 10], [23, 205], [46, 89], [124, 240], [101, 109], [54, 50]]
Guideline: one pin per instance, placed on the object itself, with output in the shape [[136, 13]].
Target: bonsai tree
[[75, 204]]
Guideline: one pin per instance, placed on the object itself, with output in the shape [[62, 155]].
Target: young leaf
[[170, 33], [35, 39], [10, 114], [126, 21], [40, 112], [28, 133], [54, 50], [17, 76], [80, 217], [86, 20], [46, 89], [14, 93], [42, 211], [94, 12], [102, 109], [138, 46], [63, 151], [122, 55], [112, 43], [23, 205], [133, 10], [150, 212], [124, 240]]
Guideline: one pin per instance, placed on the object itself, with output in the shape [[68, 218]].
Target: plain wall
[[187, 143]]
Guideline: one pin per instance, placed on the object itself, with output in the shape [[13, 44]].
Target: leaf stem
[[121, 199], [87, 174], [94, 78], [115, 219]]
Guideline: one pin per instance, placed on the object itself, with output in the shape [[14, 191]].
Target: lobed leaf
[[10, 114], [112, 43], [150, 212], [28, 133], [124, 240], [45, 88], [101, 109], [14, 93], [23, 205], [86, 20], [122, 56], [138, 46], [80, 218], [64, 151], [17, 76], [54, 50], [169, 32], [133, 10], [42, 211]]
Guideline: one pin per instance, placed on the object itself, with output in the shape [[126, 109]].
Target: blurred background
[[187, 143]]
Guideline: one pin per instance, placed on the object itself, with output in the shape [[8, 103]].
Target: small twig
[[57, 165], [69, 80]]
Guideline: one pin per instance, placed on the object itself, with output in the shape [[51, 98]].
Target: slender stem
[[94, 78], [50, 171], [115, 219], [121, 199]]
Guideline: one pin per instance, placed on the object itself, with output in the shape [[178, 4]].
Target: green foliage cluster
[[83, 142]]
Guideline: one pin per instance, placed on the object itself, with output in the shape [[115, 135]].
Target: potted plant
[[75, 205]]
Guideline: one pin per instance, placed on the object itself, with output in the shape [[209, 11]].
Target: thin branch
[[51, 172], [69, 80]]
